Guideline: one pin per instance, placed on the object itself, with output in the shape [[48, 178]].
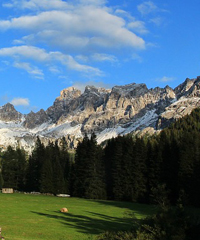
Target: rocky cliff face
[[8, 113], [33, 120], [108, 112]]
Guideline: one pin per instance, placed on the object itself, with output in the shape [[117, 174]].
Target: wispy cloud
[[165, 79], [152, 13], [38, 54], [147, 7], [29, 52], [33, 70], [20, 102], [104, 57], [138, 26], [157, 21], [69, 30], [37, 4], [54, 69]]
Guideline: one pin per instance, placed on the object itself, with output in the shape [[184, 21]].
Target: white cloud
[[75, 32], [166, 79], [20, 102], [37, 4], [29, 52], [138, 26], [38, 54], [157, 21], [104, 57], [33, 70], [121, 12], [54, 69], [82, 58], [147, 7], [83, 27], [93, 2], [124, 14], [74, 65]]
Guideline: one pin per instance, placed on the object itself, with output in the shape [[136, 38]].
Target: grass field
[[35, 217]]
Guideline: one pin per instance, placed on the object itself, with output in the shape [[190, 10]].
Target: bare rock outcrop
[[35, 119], [8, 113], [107, 112]]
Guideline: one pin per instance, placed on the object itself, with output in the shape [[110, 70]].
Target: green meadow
[[32, 217]]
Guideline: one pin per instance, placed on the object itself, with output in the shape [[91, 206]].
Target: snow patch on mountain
[[109, 133], [147, 120], [108, 113], [62, 130]]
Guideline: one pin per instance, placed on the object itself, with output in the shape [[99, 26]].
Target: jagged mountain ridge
[[107, 112]]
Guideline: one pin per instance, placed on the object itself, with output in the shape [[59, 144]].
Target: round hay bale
[[64, 210]]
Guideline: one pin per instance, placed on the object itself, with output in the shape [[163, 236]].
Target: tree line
[[128, 168]]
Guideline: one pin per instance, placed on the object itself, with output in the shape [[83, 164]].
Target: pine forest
[[127, 168]]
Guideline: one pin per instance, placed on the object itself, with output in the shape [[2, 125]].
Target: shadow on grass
[[96, 223], [137, 208], [91, 223]]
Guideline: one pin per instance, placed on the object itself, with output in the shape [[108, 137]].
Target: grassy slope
[[38, 217]]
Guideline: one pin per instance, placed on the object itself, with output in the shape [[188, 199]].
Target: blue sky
[[49, 45]]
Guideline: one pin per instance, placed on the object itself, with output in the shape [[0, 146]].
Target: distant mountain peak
[[9, 113], [8, 107], [107, 112], [69, 93]]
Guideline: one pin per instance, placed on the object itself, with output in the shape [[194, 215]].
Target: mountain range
[[107, 112]]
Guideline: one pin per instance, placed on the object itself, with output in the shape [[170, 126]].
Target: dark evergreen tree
[[116, 172], [140, 170], [127, 169], [89, 170], [80, 166], [170, 163], [1, 177], [65, 163], [95, 179], [195, 181], [125, 161], [46, 177], [34, 166], [14, 168], [21, 168], [154, 161], [109, 162], [9, 168]]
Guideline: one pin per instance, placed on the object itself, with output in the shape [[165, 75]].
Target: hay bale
[[64, 210]]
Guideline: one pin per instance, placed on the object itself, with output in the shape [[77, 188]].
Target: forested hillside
[[127, 168]]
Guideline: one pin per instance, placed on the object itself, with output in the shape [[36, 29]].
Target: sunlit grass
[[35, 217]]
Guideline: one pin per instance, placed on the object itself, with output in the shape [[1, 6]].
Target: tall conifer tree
[[34, 166]]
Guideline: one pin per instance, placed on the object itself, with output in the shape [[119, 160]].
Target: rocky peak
[[90, 90], [8, 108], [35, 119], [62, 103], [120, 110], [9, 113], [133, 90], [184, 87], [169, 92], [194, 90], [92, 98], [69, 93]]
